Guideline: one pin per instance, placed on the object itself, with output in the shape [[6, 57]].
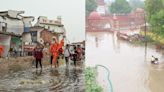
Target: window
[[34, 37], [34, 34], [0, 26], [4, 26]]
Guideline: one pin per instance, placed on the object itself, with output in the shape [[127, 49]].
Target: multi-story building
[[116, 22], [12, 25], [17, 32], [53, 26]]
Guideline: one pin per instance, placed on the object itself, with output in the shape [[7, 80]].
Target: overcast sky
[[72, 12], [114, 0]]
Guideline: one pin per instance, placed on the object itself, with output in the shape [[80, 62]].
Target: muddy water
[[63, 79], [129, 64]]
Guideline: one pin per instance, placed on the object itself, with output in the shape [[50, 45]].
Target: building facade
[[12, 25], [17, 31], [54, 26], [114, 22]]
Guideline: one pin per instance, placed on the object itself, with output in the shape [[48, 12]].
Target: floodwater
[[63, 79], [129, 64]]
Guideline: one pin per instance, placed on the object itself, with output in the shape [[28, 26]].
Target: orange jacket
[[61, 44], [54, 48], [1, 50]]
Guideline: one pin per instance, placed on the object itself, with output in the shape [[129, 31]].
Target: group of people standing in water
[[57, 52]]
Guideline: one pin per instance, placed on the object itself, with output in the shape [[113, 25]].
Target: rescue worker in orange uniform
[[54, 49], [1, 50]]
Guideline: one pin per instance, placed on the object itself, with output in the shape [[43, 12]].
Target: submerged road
[[129, 64], [63, 79]]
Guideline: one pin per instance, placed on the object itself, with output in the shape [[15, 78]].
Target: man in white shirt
[[67, 54]]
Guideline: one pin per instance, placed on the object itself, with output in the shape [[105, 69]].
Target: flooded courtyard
[[129, 64], [62, 79]]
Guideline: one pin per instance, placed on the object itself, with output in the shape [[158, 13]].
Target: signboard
[[29, 48]]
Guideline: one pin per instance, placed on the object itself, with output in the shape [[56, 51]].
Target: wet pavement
[[62, 79], [129, 64]]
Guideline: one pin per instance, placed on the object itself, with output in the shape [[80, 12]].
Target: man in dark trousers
[[67, 54], [75, 56], [38, 54]]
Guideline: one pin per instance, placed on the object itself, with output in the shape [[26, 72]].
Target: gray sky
[[72, 12]]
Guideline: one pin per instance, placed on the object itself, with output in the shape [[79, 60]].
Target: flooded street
[[63, 79], [129, 64]]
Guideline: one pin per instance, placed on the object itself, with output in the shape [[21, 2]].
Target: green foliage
[[153, 7], [120, 7], [90, 6], [136, 4], [155, 15], [90, 80], [153, 37]]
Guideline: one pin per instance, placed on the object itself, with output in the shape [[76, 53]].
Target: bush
[[154, 37], [90, 80]]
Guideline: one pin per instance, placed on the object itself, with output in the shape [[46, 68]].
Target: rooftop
[[94, 15], [10, 33], [46, 21], [13, 14], [100, 2]]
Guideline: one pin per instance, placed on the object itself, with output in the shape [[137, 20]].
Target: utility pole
[[145, 37], [145, 25]]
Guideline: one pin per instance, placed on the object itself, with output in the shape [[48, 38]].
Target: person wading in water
[[75, 56], [154, 60], [1, 50], [38, 54], [54, 49], [67, 54]]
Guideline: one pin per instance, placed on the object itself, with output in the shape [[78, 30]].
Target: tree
[[155, 15], [120, 7], [90, 6], [136, 4]]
